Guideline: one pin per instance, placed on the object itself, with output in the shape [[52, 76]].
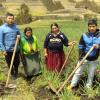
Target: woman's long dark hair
[[54, 24], [27, 29]]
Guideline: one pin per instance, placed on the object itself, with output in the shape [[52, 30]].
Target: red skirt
[[55, 60]]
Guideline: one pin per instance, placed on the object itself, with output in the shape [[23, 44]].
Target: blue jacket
[[86, 42], [8, 36]]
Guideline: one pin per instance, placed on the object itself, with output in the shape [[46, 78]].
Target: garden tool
[[66, 60], [12, 60], [65, 82]]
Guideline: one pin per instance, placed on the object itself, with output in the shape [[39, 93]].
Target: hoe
[[11, 65], [66, 81]]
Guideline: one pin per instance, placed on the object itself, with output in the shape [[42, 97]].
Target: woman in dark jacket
[[53, 48]]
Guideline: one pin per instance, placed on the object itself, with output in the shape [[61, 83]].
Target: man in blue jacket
[[88, 39], [8, 34]]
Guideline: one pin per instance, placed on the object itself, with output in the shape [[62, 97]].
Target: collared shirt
[[8, 34]]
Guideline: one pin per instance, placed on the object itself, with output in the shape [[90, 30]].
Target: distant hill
[[36, 6], [47, 7], [43, 5]]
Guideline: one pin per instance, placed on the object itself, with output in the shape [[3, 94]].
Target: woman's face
[[54, 29], [28, 33], [92, 28]]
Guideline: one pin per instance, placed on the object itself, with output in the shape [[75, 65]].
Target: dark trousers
[[14, 70]]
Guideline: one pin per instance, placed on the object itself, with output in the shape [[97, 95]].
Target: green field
[[39, 89]]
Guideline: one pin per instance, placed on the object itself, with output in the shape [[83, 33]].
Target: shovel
[[65, 82], [11, 64]]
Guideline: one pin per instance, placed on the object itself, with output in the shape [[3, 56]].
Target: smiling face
[[10, 20], [92, 28], [54, 29], [28, 33]]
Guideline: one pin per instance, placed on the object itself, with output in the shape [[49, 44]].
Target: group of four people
[[53, 49]]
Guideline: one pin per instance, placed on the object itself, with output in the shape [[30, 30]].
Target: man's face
[[10, 20], [92, 28]]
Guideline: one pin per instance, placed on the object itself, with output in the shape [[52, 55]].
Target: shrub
[[52, 5], [77, 17], [1, 21], [72, 1], [1, 5], [74, 17], [23, 16], [88, 16], [86, 4]]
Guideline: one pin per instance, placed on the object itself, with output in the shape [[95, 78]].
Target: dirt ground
[[37, 89]]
